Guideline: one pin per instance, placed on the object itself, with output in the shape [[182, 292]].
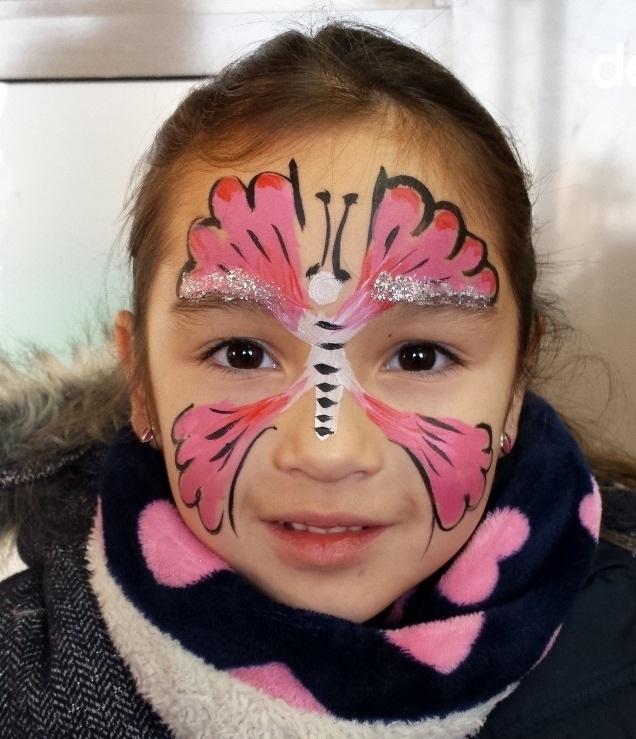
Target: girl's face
[[332, 345]]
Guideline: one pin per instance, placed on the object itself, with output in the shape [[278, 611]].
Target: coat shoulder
[[619, 515], [59, 671], [586, 686]]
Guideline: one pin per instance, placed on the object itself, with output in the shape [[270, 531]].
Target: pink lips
[[323, 540]]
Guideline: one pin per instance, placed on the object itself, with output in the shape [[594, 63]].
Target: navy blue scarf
[[464, 636]]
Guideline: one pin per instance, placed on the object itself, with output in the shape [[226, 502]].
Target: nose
[[356, 449]]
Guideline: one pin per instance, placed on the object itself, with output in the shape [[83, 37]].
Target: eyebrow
[[467, 313], [216, 301]]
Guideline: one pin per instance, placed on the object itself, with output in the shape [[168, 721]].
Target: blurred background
[[87, 82]]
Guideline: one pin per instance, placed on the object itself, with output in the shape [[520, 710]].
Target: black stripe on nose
[[325, 369], [325, 387], [330, 346], [326, 402], [323, 431], [323, 418], [328, 326]]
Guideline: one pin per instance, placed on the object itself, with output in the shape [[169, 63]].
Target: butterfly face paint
[[418, 250]]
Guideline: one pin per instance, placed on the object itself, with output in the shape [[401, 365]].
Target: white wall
[[68, 150], [559, 73]]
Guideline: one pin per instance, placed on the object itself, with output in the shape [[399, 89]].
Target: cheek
[[444, 545], [212, 444], [452, 458]]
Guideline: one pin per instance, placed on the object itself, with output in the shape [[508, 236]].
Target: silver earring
[[147, 435], [505, 443]]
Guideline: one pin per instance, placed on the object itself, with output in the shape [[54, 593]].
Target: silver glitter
[[235, 284], [403, 289]]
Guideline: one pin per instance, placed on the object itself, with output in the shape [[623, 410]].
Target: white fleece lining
[[197, 700]]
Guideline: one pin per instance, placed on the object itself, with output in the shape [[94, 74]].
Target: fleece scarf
[[215, 657]]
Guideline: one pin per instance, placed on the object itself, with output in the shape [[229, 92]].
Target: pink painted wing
[[211, 445], [412, 236], [251, 229], [451, 457]]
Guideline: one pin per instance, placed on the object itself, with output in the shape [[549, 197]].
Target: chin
[[349, 606]]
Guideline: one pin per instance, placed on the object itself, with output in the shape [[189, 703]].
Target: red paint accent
[[270, 179], [227, 188], [444, 220], [405, 194], [489, 283], [474, 250]]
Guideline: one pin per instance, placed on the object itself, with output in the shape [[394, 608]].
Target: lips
[[292, 526], [316, 540], [324, 520]]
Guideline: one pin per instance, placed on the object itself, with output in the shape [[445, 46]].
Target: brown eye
[[242, 354], [417, 358], [421, 356]]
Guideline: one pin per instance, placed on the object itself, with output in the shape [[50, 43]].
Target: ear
[[511, 424], [123, 328]]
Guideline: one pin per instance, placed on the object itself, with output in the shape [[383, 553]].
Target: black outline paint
[[426, 480], [431, 207], [339, 273], [212, 220], [230, 500]]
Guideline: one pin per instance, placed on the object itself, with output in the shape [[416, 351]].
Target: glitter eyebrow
[[230, 284], [399, 289]]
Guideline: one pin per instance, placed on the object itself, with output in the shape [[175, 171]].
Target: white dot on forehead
[[324, 288]]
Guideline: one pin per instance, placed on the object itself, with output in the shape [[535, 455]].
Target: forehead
[[339, 161]]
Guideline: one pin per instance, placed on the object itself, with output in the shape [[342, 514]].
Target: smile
[[293, 526], [335, 543]]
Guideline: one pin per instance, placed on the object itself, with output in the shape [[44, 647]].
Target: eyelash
[[453, 359]]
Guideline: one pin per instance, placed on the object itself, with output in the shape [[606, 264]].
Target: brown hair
[[297, 82]]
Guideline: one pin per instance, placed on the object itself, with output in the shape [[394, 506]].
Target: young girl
[[336, 510]]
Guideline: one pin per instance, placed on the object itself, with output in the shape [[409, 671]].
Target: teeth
[[317, 530], [296, 526]]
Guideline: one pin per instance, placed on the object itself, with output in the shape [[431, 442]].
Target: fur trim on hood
[[50, 415], [48, 408]]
